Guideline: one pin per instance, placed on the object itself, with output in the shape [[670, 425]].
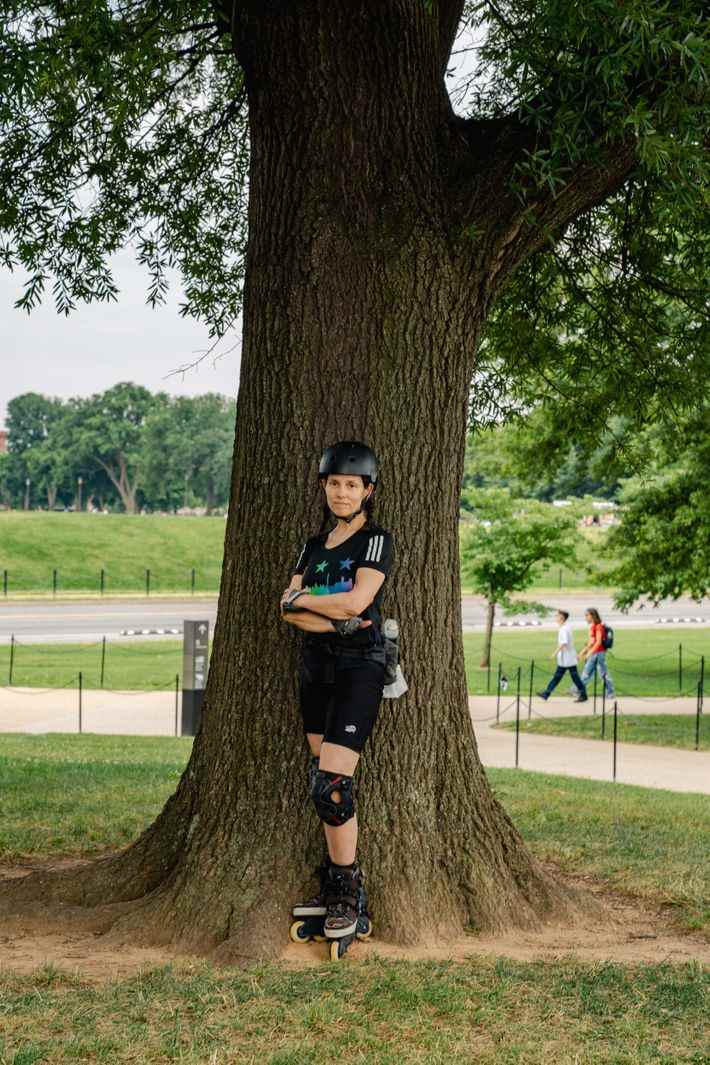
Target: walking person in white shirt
[[566, 658]]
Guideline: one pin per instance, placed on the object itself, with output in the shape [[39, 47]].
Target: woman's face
[[345, 493], [589, 617]]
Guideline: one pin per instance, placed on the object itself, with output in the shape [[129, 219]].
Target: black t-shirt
[[327, 571]]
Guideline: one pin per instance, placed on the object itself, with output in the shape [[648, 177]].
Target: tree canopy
[[128, 122], [663, 542], [131, 448]]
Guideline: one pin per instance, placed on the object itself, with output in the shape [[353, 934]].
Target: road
[[87, 620]]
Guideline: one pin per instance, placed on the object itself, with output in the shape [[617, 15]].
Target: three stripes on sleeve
[[374, 549]]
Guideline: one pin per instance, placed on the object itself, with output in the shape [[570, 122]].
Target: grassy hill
[[79, 546]]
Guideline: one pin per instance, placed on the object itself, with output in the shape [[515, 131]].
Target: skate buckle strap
[[343, 891]]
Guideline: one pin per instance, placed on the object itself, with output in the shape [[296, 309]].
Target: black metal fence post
[[697, 720], [702, 682], [4, 583], [54, 582], [560, 578], [102, 582], [12, 659], [616, 716], [498, 694], [530, 692], [80, 687], [192, 582], [103, 659], [147, 582], [596, 673], [177, 697], [680, 667], [603, 711], [488, 676], [517, 720]]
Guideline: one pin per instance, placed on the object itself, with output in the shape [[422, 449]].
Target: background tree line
[[132, 449]]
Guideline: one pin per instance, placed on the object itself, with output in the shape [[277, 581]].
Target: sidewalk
[[154, 714], [651, 767], [117, 713]]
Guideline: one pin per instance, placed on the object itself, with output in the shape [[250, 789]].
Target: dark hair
[[595, 615], [564, 613], [368, 506]]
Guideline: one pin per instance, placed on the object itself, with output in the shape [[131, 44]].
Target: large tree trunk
[[362, 312]]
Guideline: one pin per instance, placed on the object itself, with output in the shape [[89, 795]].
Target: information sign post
[[195, 661]]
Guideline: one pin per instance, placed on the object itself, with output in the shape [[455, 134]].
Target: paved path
[[154, 714], [652, 767], [111, 713], [40, 621]]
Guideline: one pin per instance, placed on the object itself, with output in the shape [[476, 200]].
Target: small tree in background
[[500, 550]]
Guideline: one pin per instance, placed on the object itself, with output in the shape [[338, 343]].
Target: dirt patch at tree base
[[625, 930]]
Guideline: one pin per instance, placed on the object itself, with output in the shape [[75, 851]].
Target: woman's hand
[[284, 597], [289, 604]]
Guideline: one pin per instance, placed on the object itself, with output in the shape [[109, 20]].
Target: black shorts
[[340, 694]]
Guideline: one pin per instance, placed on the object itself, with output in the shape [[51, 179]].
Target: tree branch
[[508, 229]]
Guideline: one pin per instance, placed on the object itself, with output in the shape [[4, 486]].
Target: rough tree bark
[[364, 303]]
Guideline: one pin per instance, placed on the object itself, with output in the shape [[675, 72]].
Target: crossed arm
[[319, 609]]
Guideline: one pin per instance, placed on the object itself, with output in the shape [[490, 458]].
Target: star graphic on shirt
[[346, 563], [321, 566]]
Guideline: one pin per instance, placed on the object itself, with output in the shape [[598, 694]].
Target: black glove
[[346, 628]]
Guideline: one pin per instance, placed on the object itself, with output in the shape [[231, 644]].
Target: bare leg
[[315, 740]]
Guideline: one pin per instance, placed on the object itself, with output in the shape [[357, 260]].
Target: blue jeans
[[559, 674], [594, 662]]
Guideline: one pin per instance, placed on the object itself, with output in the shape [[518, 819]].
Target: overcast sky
[[100, 345]]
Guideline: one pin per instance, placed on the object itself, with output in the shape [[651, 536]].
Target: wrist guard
[[346, 628], [289, 606]]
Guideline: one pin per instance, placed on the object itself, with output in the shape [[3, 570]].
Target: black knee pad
[[323, 786]]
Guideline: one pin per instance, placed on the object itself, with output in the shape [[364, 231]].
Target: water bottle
[[390, 632]]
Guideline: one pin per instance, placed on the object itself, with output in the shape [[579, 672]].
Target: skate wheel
[[320, 939], [297, 932], [335, 950], [366, 931]]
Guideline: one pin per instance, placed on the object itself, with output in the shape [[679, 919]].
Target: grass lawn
[[374, 1012], [129, 665], [642, 662], [79, 546], [75, 795], [78, 794], [663, 730]]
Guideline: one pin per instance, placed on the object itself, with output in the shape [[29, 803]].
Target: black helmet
[[349, 456]]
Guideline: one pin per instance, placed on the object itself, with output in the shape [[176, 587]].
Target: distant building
[[3, 439]]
